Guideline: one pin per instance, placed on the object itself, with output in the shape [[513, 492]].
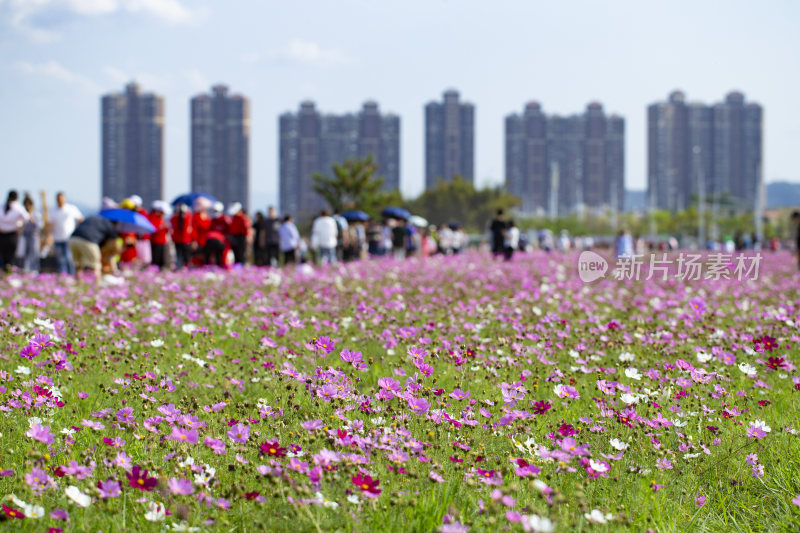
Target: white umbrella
[[418, 221]]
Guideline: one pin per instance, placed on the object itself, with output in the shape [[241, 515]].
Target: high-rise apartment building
[[312, 142], [558, 165], [133, 145], [449, 140], [698, 151], [221, 145]]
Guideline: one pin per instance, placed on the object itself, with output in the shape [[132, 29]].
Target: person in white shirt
[[64, 218], [289, 239], [323, 237], [12, 218], [446, 240], [511, 239]]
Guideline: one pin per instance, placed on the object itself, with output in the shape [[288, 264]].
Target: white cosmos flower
[[703, 357], [633, 373], [75, 494], [23, 370], [17, 501], [747, 368], [619, 445], [353, 499], [157, 343], [626, 356], [202, 479], [325, 501], [189, 328], [760, 423], [183, 526], [33, 511], [540, 485], [539, 524], [155, 512], [32, 421], [629, 398], [597, 467], [597, 516]]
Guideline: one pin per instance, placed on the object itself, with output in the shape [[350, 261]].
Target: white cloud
[[196, 80], [56, 71], [312, 53], [28, 16], [168, 10]]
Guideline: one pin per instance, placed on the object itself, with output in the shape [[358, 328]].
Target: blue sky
[[58, 56]]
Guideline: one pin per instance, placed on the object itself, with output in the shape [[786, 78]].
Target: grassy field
[[453, 394]]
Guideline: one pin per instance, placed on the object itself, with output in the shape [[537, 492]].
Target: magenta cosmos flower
[[367, 485], [139, 479]]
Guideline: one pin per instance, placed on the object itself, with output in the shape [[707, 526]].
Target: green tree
[[459, 200], [355, 186]]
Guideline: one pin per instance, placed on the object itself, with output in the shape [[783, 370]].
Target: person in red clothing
[[201, 224], [159, 239], [238, 231], [216, 251], [182, 235], [219, 221]]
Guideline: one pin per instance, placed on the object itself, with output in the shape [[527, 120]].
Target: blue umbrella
[[396, 212], [189, 198], [357, 216], [128, 221]]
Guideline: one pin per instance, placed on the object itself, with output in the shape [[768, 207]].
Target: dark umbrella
[[128, 221], [357, 216], [396, 212], [188, 199], [454, 225]]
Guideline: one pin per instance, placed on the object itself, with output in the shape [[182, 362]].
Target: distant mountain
[[783, 194], [635, 200]]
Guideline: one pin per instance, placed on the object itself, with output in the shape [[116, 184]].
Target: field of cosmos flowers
[[449, 394]]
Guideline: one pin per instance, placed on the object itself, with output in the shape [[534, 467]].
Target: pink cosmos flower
[[217, 446], [311, 425], [179, 434], [565, 391], [239, 433], [38, 480], [419, 406], [180, 486], [40, 433], [758, 429], [109, 488]]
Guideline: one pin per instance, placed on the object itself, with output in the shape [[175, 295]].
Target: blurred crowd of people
[[203, 233], [206, 233]]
